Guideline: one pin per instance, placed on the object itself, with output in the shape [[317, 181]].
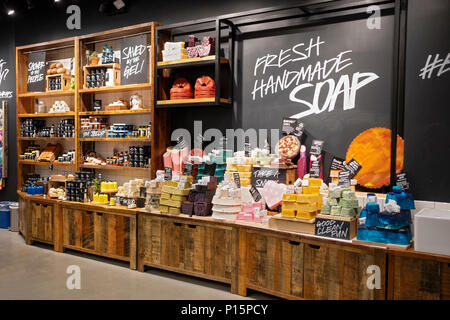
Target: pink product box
[[247, 213]]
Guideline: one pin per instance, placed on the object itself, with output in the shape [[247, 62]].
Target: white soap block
[[173, 45], [432, 231]]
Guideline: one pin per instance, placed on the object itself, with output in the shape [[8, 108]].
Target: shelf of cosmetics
[[192, 48], [98, 127], [33, 128], [101, 69], [35, 152], [136, 156], [58, 106]]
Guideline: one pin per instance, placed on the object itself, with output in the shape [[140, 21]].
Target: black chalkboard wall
[[7, 92], [427, 108], [371, 52], [364, 53]]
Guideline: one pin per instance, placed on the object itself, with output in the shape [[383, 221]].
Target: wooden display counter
[[96, 229], [246, 255]]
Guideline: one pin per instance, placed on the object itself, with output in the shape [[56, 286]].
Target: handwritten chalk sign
[[133, 65], [260, 176], [330, 228], [167, 174], [255, 194], [36, 72]]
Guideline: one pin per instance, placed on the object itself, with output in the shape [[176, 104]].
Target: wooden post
[[242, 263], [133, 242], [57, 228]]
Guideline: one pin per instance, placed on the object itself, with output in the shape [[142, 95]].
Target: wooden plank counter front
[[246, 255]]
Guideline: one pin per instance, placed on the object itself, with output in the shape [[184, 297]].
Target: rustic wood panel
[[445, 281], [194, 248], [275, 264], [334, 273], [149, 242], [416, 279], [172, 244], [42, 222], [22, 216], [87, 230], [100, 234]]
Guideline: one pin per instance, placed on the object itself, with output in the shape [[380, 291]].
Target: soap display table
[[245, 255]]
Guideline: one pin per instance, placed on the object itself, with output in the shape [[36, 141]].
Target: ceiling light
[[11, 12]]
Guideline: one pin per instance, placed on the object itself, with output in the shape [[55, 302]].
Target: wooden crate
[[65, 81], [292, 224], [116, 72]]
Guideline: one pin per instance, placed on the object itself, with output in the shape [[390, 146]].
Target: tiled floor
[[37, 272]]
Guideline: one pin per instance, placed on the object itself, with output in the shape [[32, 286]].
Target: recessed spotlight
[[11, 12]]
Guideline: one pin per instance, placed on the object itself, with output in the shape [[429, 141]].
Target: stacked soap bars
[[200, 49], [341, 202], [305, 205], [174, 51], [253, 212], [393, 224], [153, 194], [216, 164], [173, 193], [199, 198], [241, 165]]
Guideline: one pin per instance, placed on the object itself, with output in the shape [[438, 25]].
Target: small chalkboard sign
[[210, 169], [167, 174], [255, 194], [402, 181], [352, 167], [260, 176], [330, 228], [292, 126], [314, 171], [237, 179], [344, 179], [133, 56], [36, 72], [188, 167], [337, 164]]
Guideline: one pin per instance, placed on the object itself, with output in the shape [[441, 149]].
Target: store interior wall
[[44, 25]]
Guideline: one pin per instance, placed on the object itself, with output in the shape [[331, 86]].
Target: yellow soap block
[[231, 167], [289, 205], [306, 215], [310, 190], [306, 198], [168, 189], [189, 179], [307, 206], [164, 209], [245, 175], [287, 213], [178, 198], [290, 196], [181, 192], [172, 183], [244, 167], [175, 203], [174, 210], [165, 202], [315, 182], [245, 182], [165, 195]]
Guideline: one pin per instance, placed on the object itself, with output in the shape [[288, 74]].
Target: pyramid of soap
[[173, 193], [341, 202], [227, 202], [391, 225], [199, 199], [241, 165]]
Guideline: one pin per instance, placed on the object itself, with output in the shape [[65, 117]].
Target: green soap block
[[326, 209], [349, 203], [348, 212], [336, 210], [335, 194], [348, 195], [333, 202]]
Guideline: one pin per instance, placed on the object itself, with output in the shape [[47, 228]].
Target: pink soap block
[[273, 193], [167, 158], [244, 216], [176, 161]]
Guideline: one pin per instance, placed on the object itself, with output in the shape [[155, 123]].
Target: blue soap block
[[404, 200], [387, 220]]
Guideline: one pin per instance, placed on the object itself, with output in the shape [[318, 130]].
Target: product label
[[314, 171], [337, 164], [255, 194], [402, 181], [353, 167], [292, 126], [316, 147], [344, 179], [167, 174], [237, 179]]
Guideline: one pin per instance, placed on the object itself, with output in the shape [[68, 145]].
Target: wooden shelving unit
[[80, 101], [219, 66], [47, 115]]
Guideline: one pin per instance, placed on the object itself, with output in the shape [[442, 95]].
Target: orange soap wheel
[[205, 82], [372, 150]]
